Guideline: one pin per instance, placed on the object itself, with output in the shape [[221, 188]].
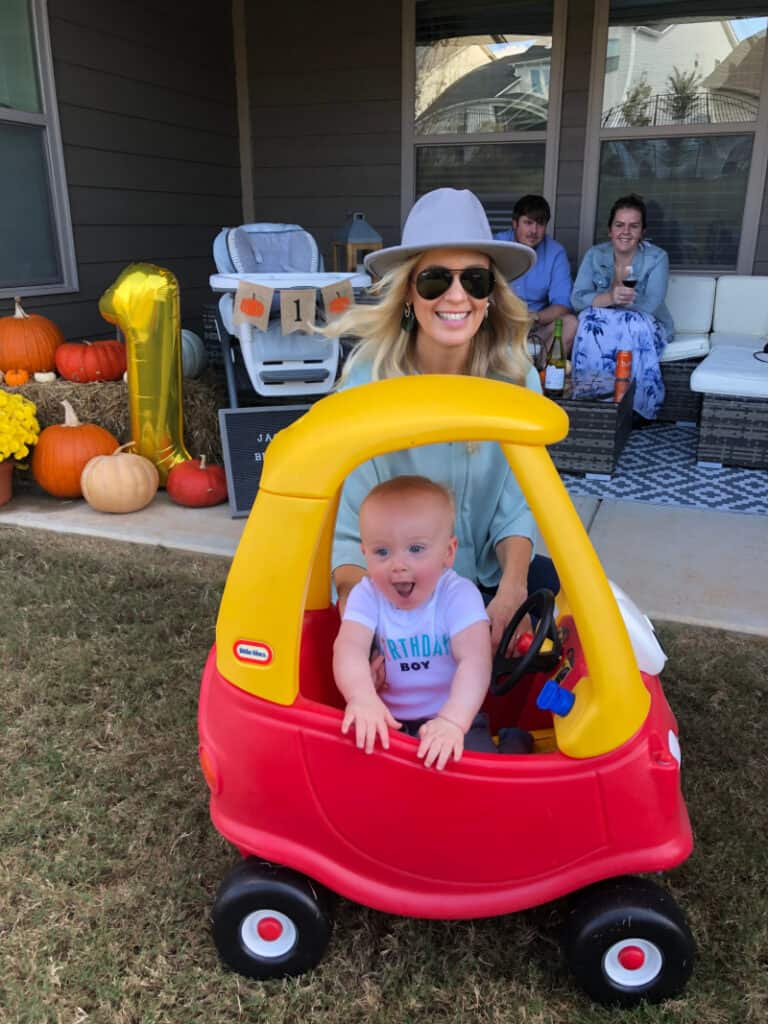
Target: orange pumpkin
[[28, 341], [15, 378], [252, 307], [339, 304], [91, 360], [62, 451]]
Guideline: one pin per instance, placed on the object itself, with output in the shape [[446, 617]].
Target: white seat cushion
[[685, 346], [731, 371], [691, 300], [727, 339], [741, 305]]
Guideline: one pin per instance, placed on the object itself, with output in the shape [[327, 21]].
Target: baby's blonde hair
[[411, 485], [499, 346]]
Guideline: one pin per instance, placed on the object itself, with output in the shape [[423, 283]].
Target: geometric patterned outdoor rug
[[658, 465]]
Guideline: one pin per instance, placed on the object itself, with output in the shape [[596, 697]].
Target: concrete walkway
[[678, 565]]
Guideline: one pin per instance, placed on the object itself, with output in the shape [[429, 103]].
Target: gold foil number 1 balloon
[[144, 303]]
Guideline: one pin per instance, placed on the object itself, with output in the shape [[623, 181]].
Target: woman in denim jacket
[[619, 294]]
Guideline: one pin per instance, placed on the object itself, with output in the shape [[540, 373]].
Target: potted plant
[[18, 430]]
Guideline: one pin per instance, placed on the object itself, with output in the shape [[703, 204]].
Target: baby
[[429, 624]]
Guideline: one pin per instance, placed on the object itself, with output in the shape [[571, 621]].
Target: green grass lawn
[[109, 863]]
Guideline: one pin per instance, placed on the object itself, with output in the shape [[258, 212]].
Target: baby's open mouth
[[403, 589]]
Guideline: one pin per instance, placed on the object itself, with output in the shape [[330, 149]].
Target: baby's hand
[[371, 718], [439, 739]]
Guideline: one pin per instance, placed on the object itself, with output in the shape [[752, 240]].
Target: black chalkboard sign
[[245, 434]]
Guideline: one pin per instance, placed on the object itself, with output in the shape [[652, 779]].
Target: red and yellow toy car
[[597, 800]]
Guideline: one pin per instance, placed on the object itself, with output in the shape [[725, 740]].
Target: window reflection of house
[[510, 93]]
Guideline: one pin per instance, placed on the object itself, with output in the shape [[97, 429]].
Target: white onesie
[[416, 643]]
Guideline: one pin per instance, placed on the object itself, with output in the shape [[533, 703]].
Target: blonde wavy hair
[[499, 348]]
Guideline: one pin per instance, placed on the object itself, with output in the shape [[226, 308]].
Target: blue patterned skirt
[[604, 332]]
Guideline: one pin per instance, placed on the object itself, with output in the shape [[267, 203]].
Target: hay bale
[[106, 403]]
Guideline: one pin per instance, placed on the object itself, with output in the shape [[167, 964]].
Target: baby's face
[[407, 541]]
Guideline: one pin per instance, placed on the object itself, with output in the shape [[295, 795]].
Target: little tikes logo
[[253, 652]]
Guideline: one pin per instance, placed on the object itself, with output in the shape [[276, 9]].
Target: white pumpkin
[[194, 358], [121, 482]]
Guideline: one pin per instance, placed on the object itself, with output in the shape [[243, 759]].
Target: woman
[[619, 293], [445, 307]]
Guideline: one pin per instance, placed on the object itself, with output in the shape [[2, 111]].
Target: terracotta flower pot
[[6, 481]]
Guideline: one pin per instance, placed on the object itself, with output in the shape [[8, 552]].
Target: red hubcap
[[631, 958], [269, 929]]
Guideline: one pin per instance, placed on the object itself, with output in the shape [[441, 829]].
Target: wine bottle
[[554, 373]]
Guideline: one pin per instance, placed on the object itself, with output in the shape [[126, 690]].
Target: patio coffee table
[[733, 430], [599, 428]]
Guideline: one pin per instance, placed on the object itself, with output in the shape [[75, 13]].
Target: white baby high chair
[[277, 365]]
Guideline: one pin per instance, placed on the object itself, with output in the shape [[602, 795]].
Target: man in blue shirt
[[546, 287]]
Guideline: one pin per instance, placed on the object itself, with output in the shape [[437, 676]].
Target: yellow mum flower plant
[[18, 426]]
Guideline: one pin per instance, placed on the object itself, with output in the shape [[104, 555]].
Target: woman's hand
[[440, 738], [623, 296], [500, 611]]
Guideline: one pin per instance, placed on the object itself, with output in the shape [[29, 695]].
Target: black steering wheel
[[505, 672]]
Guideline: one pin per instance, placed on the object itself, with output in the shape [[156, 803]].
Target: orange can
[[623, 374]]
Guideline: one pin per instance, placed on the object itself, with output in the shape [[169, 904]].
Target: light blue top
[[548, 282], [489, 503], [651, 267]]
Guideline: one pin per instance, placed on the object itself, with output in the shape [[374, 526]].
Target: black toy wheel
[[505, 672], [270, 922], [626, 940]]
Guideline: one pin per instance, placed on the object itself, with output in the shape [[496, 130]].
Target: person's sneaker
[[515, 741]]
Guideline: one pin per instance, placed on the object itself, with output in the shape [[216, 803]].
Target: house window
[[36, 248], [679, 113], [484, 100]]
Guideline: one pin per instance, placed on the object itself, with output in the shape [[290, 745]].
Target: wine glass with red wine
[[630, 278]]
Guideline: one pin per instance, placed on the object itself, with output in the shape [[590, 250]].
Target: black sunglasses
[[433, 282]]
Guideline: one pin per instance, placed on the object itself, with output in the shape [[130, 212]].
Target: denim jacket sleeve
[[652, 287], [592, 278]]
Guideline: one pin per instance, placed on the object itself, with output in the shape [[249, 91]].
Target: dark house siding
[[325, 115], [147, 105]]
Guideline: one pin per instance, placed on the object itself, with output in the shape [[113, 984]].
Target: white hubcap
[[268, 933], [633, 963]]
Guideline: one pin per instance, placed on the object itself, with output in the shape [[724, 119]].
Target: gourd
[[194, 357], [28, 341], [63, 450], [120, 482], [16, 378], [196, 484], [84, 361], [45, 378]]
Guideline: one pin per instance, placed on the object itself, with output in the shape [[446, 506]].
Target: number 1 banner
[[297, 309]]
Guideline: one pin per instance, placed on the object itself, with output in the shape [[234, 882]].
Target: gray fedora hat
[[450, 218]]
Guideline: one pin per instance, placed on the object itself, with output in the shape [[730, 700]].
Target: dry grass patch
[[109, 863]]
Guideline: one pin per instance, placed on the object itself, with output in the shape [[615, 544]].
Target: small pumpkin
[[196, 484], [194, 357], [339, 304], [252, 307], [84, 361], [16, 378], [62, 451], [28, 341], [120, 482], [45, 378]]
